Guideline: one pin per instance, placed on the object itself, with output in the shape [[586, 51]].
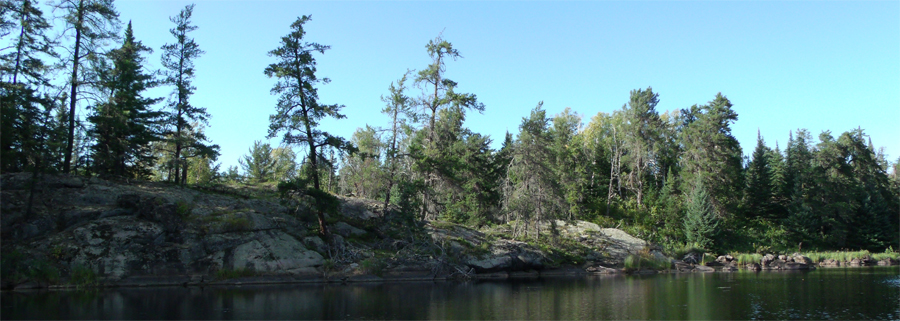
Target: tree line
[[676, 177], [125, 134]]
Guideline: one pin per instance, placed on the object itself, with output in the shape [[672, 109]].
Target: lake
[[840, 293]]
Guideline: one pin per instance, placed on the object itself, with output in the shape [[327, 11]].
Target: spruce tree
[[125, 124], [700, 220], [758, 193]]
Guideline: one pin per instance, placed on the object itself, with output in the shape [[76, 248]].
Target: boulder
[[508, 256], [729, 268], [346, 230], [692, 258], [802, 259], [683, 267], [701, 268], [830, 263]]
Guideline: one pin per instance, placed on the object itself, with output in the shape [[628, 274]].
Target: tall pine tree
[[178, 60], [90, 23], [298, 112]]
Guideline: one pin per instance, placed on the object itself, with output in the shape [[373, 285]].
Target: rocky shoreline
[[90, 232]]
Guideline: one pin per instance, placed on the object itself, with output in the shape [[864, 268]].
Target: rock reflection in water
[[860, 293]]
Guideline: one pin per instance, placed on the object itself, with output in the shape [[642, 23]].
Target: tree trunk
[[73, 97]]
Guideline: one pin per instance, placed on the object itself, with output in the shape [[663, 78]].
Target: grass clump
[[43, 272], [227, 274], [748, 258], [83, 277], [843, 256], [373, 266], [234, 222], [644, 260]]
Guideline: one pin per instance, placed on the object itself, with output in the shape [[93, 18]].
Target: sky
[[819, 65]]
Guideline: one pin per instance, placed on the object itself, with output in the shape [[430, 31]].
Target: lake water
[[843, 293]]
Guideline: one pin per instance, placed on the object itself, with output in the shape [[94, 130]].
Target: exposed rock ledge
[[142, 233]]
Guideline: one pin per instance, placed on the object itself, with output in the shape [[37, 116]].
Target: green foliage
[[748, 258], [373, 266], [82, 276], [178, 60], [43, 272], [13, 266], [646, 261], [237, 223], [712, 155], [700, 220], [758, 195], [265, 164], [124, 124], [183, 208], [227, 274]]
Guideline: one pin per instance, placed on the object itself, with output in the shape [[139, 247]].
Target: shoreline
[[192, 281]]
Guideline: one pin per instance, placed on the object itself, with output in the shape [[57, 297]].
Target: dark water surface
[[844, 294]]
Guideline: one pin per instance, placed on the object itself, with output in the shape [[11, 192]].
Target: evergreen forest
[[676, 178]]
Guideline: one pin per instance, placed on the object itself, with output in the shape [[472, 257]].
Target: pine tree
[[93, 22], [125, 124], [568, 160], [298, 112], [23, 109], [399, 107], [534, 195], [439, 94], [713, 154], [642, 126], [178, 60]]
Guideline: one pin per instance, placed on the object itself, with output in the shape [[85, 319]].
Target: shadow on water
[[853, 293]]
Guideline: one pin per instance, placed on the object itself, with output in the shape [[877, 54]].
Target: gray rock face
[[270, 252], [347, 230], [128, 232], [508, 255]]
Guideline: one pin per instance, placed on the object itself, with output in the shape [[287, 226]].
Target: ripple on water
[[895, 281]]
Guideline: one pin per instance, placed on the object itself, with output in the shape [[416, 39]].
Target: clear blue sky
[[784, 65]]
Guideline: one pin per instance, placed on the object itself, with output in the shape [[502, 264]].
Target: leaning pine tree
[[298, 111], [700, 221]]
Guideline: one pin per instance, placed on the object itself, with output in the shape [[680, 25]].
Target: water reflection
[[862, 293]]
